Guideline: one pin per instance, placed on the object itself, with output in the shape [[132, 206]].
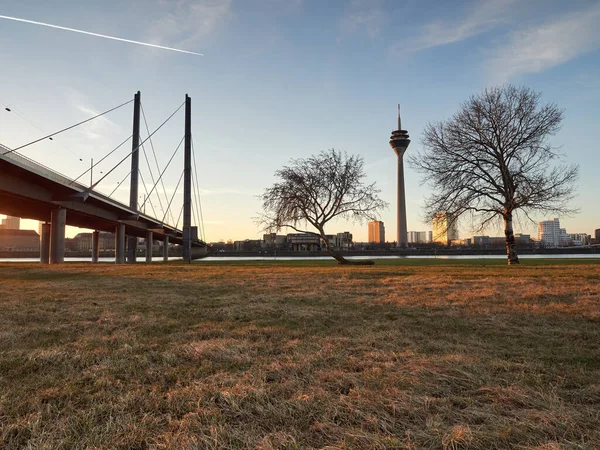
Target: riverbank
[[300, 355]]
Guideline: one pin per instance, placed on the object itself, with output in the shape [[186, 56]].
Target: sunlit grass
[[403, 354]]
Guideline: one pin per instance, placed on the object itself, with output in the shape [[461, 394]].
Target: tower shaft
[[401, 232]]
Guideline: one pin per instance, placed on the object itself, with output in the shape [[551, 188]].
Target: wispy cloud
[[363, 16], [547, 45], [185, 22], [481, 16]]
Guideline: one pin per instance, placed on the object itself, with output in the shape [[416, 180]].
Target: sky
[[283, 79]]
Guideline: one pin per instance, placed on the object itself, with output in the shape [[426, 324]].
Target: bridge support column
[[95, 246], [45, 244], [166, 248], [120, 244], [132, 249], [149, 242], [57, 235]]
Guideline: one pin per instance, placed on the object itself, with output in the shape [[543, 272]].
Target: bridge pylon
[[135, 168]]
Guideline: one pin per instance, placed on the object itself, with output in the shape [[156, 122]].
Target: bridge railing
[[46, 171]]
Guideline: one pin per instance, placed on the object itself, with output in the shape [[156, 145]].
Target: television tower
[[399, 142]]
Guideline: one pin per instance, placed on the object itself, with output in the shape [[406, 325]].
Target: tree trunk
[[338, 256], [511, 246]]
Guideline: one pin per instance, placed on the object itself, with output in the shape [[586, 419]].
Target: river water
[[317, 258]]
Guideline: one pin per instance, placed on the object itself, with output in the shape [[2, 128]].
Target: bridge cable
[[154, 153], [196, 208], [146, 189], [198, 191], [151, 174], [12, 109], [173, 196], [110, 153], [119, 184], [178, 218], [165, 169], [68, 128], [142, 143], [194, 211]]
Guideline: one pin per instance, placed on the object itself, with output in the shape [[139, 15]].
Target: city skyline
[[329, 75]]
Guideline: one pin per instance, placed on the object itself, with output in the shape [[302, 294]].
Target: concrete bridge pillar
[[120, 244], [45, 244], [149, 242], [57, 235], [166, 248], [95, 246], [132, 242]]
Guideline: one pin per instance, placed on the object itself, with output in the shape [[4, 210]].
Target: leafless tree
[[313, 191], [492, 159]]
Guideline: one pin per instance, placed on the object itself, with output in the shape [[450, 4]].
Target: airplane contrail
[[33, 22]]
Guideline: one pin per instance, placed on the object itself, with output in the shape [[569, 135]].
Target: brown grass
[[299, 356]]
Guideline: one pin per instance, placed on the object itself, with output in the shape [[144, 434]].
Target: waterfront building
[[549, 233], [444, 228], [376, 232], [418, 237], [343, 241], [82, 242], [304, 242], [12, 240], [11, 223]]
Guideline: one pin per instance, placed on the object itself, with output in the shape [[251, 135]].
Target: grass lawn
[[289, 355]]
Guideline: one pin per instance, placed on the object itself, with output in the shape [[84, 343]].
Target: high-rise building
[[597, 235], [376, 232], [549, 233], [11, 223], [417, 237], [444, 228], [399, 142]]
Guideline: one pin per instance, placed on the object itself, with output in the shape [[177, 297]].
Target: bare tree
[[492, 159], [313, 191]]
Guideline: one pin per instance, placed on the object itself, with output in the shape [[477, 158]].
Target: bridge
[[33, 191]]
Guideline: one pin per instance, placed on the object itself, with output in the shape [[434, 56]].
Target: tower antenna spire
[[399, 120]]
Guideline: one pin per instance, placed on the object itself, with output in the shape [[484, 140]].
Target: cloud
[[547, 45], [363, 16], [186, 22], [482, 16]]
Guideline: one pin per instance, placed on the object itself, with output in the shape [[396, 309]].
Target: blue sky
[[285, 79]]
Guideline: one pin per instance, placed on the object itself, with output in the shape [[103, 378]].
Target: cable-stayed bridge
[[33, 191]]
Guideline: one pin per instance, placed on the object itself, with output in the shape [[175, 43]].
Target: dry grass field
[[300, 355]]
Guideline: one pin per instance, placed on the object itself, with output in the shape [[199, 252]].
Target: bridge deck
[[30, 190]]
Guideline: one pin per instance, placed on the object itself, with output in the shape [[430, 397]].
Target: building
[[11, 223], [376, 232], [273, 241], [549, 233], [82, 242], [12, 240], [578, 239], [597, 236], [343, 241], [444, 228], [299, 242], [418, 237], [247, 245]]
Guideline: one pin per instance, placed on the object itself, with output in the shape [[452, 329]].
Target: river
[[318, 258]]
